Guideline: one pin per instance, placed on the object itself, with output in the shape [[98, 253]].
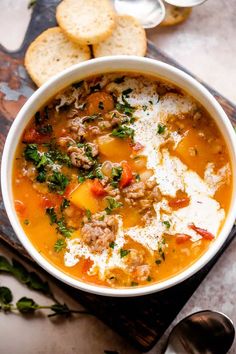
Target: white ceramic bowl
[[79, 72]]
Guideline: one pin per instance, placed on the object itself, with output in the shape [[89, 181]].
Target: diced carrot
[[20, 207], [178, 203], [181, 238], [126, 176], [204, 233], [97, 188], [31, 135]]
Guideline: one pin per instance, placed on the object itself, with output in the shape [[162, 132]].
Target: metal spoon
[[204, 332], [185, 3], [149, 12]]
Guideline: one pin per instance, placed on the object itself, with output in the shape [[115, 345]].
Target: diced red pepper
[[204, 233], [97, 188], [182, 238], [126, 176], [137, 146], [31, 135], [20, 207], [87, 264], [178, 203]]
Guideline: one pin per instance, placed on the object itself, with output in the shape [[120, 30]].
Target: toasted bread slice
[[86, 21], [52, 52], [128, 37], [175, 15]]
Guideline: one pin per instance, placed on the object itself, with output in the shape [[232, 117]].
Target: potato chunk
[[83, 197]]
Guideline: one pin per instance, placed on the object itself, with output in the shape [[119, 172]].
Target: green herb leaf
[[31, 153], [52, 215], [19, 271], [5, 265], [158, 261], [41, 176], [112, 245], [88, 214], [161, 129], [112, 204], [63, 229], [45, 129], [116, 173], [5, 295], [81, 179], [149, 278], [127, 91], [60, 309], [124, 253], [64, 204], [123, 131], [134, 283], [57, 182], [26, 305], [59, 245], [167, 224]]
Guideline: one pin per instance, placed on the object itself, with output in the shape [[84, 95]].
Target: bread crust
[[128, 38], [175, 15], [42, 60], [95, 20]]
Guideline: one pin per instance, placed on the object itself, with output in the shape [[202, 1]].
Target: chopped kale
[[31, 153], [137, 177], [55, 155], [59, 245], [52, 215], [57, 182], [88, 214], [127, 92], [64, 204], [45, 129], [124, 253], [41, 176], [112, 245], [81, 179], [116, 173], [161, 129], [134, 283], [167, 224], [63, 229], [112, 204], [125, 107], [123, 131]]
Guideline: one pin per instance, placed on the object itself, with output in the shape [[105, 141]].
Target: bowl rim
[[24, 116]]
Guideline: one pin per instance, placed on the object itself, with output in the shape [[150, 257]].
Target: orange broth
[[202, 143]]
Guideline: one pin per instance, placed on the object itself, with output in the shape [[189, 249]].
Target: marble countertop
[[205, 45]]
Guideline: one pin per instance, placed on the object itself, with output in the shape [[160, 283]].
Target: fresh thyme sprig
[[26, 305], [34, 282]]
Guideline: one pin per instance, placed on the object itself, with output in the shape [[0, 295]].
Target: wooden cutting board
[[144, 319]]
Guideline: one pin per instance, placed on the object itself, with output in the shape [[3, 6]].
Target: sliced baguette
[[52, 52], [175, 15], [86, 21], [128, 37]]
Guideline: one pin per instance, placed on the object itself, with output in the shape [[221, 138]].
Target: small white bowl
[[82, 71]]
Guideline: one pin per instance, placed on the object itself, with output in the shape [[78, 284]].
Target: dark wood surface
[[142, 320]]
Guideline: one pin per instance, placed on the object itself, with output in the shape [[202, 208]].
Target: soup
[[122, 180]]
